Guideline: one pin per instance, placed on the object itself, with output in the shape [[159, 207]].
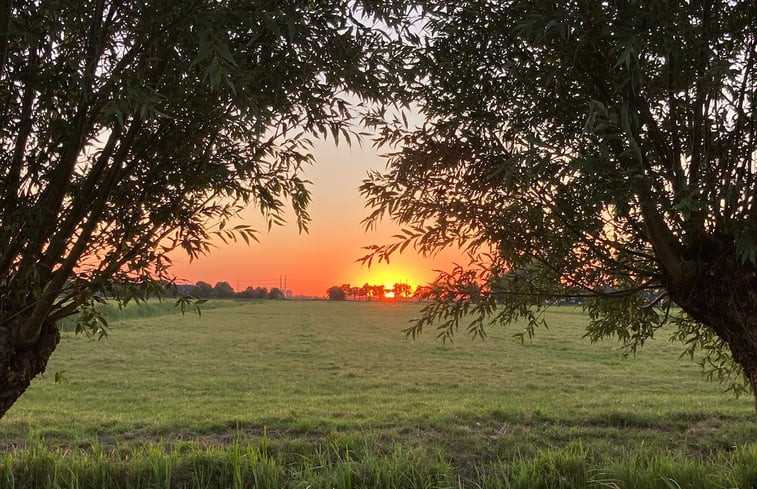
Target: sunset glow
[[308, 264]]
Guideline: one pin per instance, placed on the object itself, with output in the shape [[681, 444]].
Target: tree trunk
[[19, 365], [751, 373], [724, 298], [743, 344]]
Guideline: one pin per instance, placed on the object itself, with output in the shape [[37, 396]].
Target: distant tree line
[[226, 291], [405, 292], [368, 292]]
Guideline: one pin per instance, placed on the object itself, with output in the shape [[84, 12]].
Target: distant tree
[[223, 290], [261, 293], [187, 289], [402, 291], [132, 129], [605, 147], [203, 289], [356, 293], [347, 289], [422, 292], [248, 293], [378, 292], [276, 293], [335, 293], [366, 291]]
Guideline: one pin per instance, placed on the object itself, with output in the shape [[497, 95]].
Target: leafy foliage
[[131, 130], [335, 293], [604, 151]]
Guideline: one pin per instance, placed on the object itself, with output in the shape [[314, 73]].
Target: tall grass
[[152, 308], [258, 465]]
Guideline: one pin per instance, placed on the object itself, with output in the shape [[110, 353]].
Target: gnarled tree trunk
[[738, 327], [741, 336], [723, 296], [19, 364]]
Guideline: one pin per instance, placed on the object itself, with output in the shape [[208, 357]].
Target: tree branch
[[662, 239], [5, 17], [10, 197], [30, 329]]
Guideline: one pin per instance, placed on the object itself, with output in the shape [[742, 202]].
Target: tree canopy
[[133, 129], [335, 293], [596, 149]]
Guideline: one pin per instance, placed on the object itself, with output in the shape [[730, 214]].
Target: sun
[[390, 284]]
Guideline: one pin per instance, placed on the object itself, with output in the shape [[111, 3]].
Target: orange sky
[[326, 255]]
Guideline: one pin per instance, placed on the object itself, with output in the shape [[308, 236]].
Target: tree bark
[[20, 364], [743, 344], [723, 296]]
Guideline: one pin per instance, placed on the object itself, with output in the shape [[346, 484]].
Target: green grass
[[189, 465], [324, 378]]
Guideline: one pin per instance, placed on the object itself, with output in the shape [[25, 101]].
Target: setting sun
[[329, 253], [391, 275]]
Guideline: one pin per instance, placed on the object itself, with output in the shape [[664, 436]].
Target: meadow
[[332, 394]]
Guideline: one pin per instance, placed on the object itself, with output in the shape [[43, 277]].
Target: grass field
[[324, 394]]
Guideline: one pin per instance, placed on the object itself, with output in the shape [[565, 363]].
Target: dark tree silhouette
[[335, 293], [600, 149], [132, 129], [203, 289], [223, 290], [276, 293]]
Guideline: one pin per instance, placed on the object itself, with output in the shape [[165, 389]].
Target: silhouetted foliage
[[276, 293], [335, 293], [592, 149], [223, 290], [130, 130], [203, 289]]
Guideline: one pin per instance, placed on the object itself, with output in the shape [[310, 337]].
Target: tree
[[203, 289], [133, 129], [596, 149], [248, 293], [347, 289], [356, 292], [402, 291], [276, 293], [422, 292], [335, 293], [377, 292], [223, 290]]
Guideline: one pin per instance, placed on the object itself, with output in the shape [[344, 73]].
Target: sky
[[325, 256]]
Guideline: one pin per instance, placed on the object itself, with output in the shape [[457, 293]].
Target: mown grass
[[326, 381]]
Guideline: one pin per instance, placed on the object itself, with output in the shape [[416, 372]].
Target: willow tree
[[603, 150], [133, 129]]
